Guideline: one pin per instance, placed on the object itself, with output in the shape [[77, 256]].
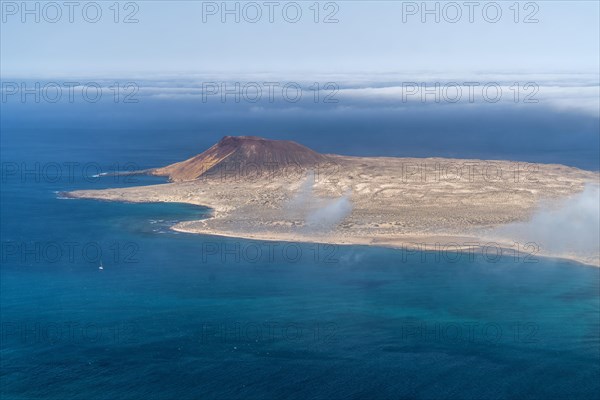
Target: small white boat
[[101, 267]]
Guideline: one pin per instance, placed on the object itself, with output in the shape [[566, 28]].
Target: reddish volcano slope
[[243, 152]]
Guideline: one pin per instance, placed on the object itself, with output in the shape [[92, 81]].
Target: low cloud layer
[[330, 213], [572, 226], [319, 214]]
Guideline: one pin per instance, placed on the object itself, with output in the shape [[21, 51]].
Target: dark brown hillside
[[243, 152]]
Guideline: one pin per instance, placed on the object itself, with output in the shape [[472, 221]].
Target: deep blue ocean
[[179, 316]]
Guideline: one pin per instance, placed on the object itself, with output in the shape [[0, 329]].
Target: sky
[[178, 38], [373, 51]]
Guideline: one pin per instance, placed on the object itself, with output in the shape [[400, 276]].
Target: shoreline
[[373, 201], [448, 244]]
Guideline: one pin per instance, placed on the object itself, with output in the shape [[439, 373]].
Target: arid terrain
[[279, 190]]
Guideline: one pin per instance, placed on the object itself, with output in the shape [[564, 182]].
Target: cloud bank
[[572, 226], [319, 214]]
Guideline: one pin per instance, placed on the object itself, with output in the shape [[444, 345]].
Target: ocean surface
[[174, 315]]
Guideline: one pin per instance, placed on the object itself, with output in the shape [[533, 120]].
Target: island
[[280, 190]]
